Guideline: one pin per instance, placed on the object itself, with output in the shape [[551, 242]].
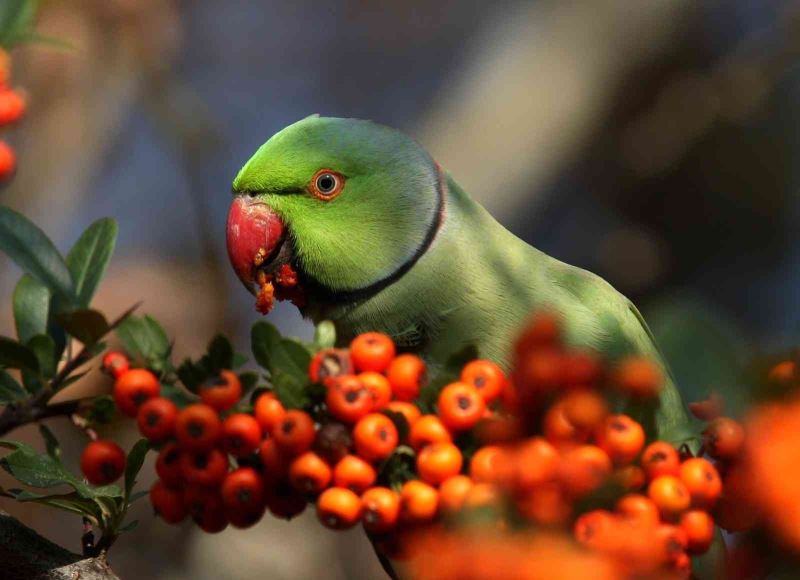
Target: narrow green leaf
[[50, 441], [70, 502], [89, 257], [45, 350], [10, 389], [134, 464], [86, 325], [14, 355], [177, 395], [31, 302], [137, 495], [33, 251]]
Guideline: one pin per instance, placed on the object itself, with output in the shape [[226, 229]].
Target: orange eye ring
[[326, 184]]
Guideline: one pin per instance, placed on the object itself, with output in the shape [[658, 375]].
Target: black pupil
[[326, 182]]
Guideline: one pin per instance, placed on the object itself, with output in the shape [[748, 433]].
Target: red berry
[[8, 161], [115, 363], [205, 508], [198, 427], [167, 503], [133, 388], [221, 392], [102, 462], [372, 351], [156, 419], [206, 468], [12, 106], [168, 465], [240, 434]]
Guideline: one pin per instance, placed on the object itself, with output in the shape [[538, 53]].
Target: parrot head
[[349, 204]]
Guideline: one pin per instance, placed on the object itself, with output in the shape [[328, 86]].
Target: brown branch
[[25, 555]]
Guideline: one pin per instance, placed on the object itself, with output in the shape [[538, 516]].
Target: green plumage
[[474, 283]]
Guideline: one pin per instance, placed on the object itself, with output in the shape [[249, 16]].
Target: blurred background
[[654, 143]]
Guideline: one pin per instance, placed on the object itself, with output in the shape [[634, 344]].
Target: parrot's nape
[[356, 223]]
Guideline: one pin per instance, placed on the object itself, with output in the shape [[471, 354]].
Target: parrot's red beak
[[254, 235]]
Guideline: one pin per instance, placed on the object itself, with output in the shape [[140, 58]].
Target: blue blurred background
[[654, 143]]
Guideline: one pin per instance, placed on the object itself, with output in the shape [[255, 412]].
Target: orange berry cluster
[[12, 108]]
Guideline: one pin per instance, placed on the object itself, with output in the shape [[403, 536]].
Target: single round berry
[[372, 351], [133, 388], [222, 392], [156, 419], [198, 427], [102, 462]]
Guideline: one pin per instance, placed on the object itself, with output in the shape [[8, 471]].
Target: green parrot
[[381, 238]]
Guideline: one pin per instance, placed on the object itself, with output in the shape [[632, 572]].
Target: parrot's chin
[[255, 238]]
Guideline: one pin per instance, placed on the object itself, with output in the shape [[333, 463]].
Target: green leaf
[[324, 335], [137, 495], [10, 389], [278, 354], [50, 441], [43, 471], [31, 302], [398, 468], [33, 251], [102, 410], [291, 392], [192, 375], [144, 338], [14, 355], [239, 360], [89, 257], [134, 464], [220, 354], [181, 397], [87, 325], [45, 350], [70, 502], [130, 526], [249, 381], [16, 20]]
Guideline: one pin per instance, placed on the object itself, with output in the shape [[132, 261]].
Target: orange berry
[[723, 438], [379, 389], [205, 508], [708, 409], [490, 464], [585, 409], [116, 363], [486, 377], [622, 438], [375, 437], [546, 505], [670, 495], [8, 161], [133, 388], [460, 406], [243, 491], [372, 351], [558, 430], [638, 376], [12, 106], [207, 468], [699, 529], [407, 374], [674, 541], [156, 419], [241, 434], [426, 430], [348, 399], [328, 364], [167, 503], [631, 477], [268, 411], [638, 509], [542, 330], [295, 433], [309, 473], [540, 372], [418, 502], [197, 426], [354, 473], [453, 492], [438, 462], [660, 458], [380, 508], [535, 462], [482, 495], [581, 368], [407, 410], [338, 508], [702, 481], [168, 467], [102, 462], [222, 392], [592, 528], [583, 469], [784, 373]]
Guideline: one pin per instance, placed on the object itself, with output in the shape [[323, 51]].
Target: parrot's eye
[[326, 184]]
